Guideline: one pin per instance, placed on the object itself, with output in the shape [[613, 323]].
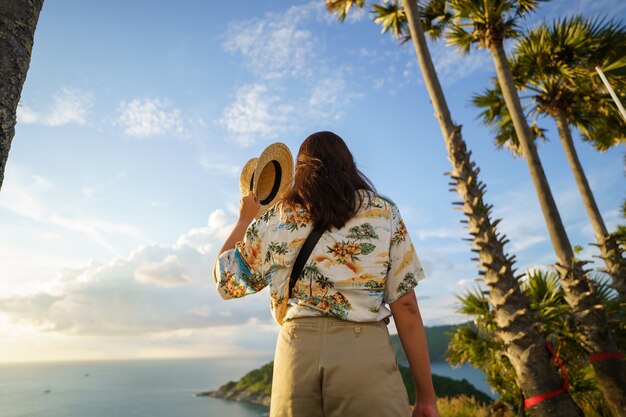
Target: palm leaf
[[391, 16], [496, 115], [342, 7]]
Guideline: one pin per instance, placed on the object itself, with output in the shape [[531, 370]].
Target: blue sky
[[134, 123]]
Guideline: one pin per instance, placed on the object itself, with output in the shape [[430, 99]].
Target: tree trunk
[[18, 19], [610, 251], [589, 313], [518, 327]]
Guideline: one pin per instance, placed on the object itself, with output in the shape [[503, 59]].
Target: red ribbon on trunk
[[529, 402], [604, 356]]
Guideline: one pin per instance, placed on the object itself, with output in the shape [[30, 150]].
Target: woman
[[333, 356]]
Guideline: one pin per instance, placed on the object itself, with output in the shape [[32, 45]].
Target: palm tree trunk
[[610, 251], [589, 313], [518, 327], [18, 19]]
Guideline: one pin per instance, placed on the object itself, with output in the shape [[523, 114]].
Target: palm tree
[[554, 65], [486, 24], [312, 272], [475, 343], [18, 19], [517, 326], [324, 284]]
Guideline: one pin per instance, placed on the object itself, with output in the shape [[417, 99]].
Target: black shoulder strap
[[303, 256]]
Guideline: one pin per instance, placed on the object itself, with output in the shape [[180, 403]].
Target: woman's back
[[350, 274]]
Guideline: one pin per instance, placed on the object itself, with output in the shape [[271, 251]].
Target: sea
[[141, 388]]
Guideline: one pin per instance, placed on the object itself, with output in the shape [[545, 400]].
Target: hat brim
[[273, 176], [246, 179]]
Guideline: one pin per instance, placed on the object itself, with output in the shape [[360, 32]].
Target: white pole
[[612, 93]]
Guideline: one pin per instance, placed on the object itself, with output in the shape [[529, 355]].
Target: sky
[[135, 121]]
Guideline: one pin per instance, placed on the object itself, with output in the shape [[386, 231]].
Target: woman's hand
[[248, 208], [425, 410]]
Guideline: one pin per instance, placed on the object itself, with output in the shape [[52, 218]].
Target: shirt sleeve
[[241, 269], [405, 269]]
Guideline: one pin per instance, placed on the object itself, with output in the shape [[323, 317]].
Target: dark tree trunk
[[610, 250], [18, 19]]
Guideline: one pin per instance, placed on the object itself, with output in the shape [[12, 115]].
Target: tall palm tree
[[18, 19], [517, 326], [486, 24], [554, 64]]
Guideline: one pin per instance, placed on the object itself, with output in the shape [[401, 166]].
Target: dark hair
[[327, 181]]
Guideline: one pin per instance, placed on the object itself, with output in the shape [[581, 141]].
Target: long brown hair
[[327, 181]]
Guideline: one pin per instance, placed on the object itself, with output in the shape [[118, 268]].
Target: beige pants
[[327, 367]]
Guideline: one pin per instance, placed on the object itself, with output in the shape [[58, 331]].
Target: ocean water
[[146, 388], [472, 375]]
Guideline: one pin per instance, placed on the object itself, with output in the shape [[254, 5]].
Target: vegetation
[[445, 387], [486, 24], [474, 344], [258, 383], [454, 398], [463, 406], [553, 67], [438, 339]]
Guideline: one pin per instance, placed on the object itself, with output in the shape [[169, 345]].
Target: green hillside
[[438, 338], [444, 387], [257, 385], [258, 381]]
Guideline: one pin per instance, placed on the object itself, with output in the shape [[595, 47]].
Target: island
[[256, 386]]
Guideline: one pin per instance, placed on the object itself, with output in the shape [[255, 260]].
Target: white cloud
[[88, 191], [452, 66], [329, 97], [167, 273], [156, 290], [255, 115], [26, 115], [295, 85], [150, 117], [274, 46], [70, 105], [202, 238], [441, 233]]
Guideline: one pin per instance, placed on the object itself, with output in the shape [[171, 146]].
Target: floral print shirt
[[351, 273]]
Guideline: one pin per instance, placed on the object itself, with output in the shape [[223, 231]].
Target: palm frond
[[491, 21], [526, 6], [342, 7], [458, 37], [391, 16], [436, 17], [496, 115], [473, 303], [556, 60]]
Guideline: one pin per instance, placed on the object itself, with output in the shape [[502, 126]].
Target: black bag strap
[[303, 256]]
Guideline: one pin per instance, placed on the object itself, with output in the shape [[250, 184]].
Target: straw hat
[[269, 176]]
